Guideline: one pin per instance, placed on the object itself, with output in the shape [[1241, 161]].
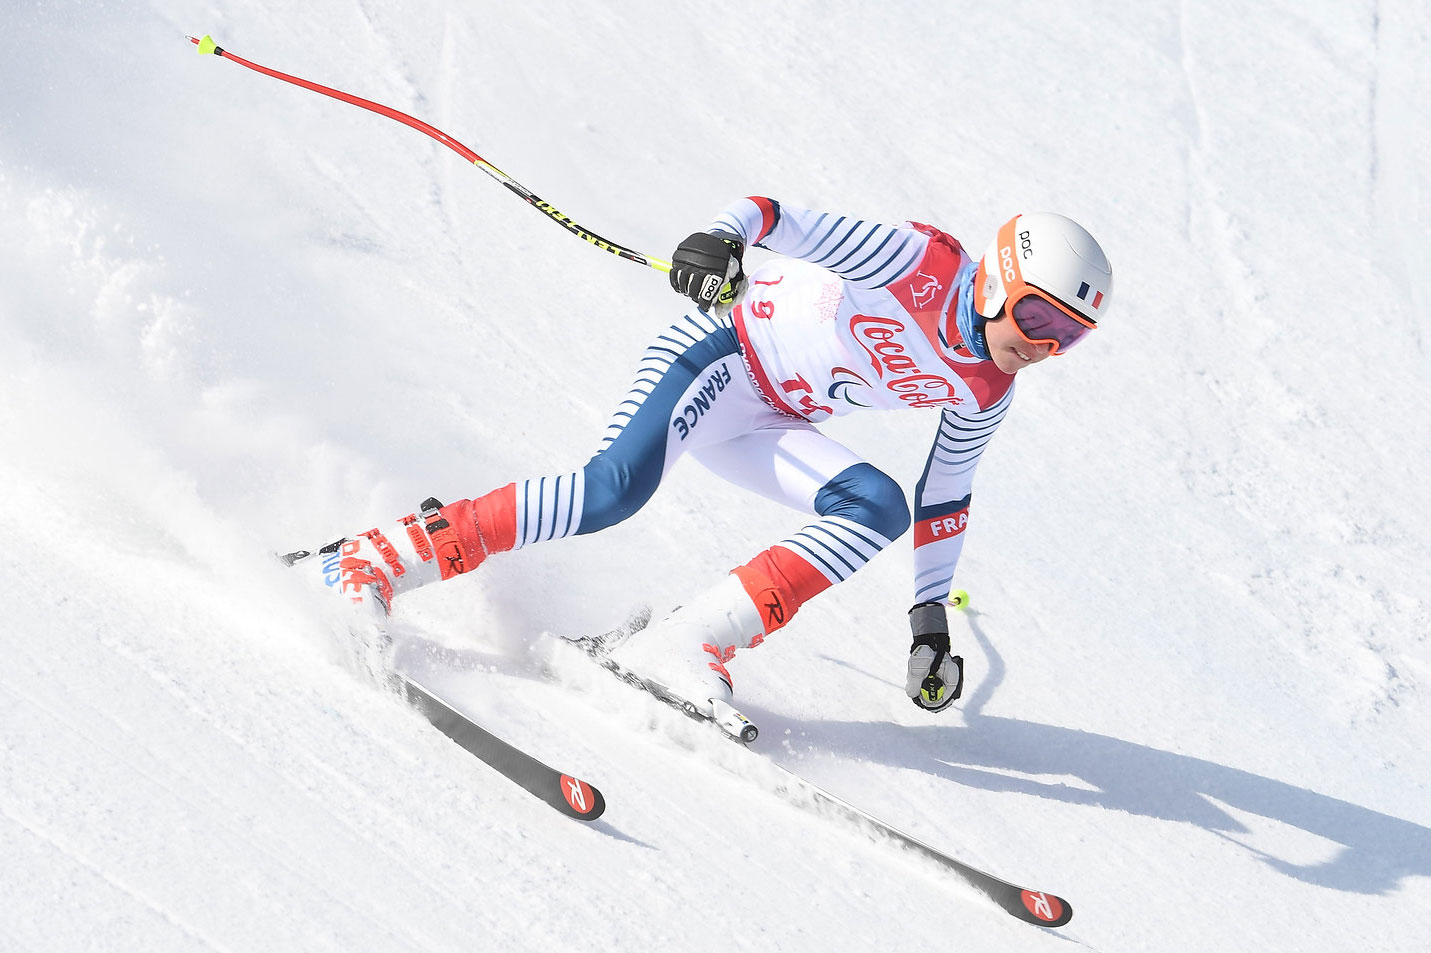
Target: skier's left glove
[[707, 269], [934, 677]]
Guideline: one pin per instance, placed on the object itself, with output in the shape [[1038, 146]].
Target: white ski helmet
[[1047, 253]]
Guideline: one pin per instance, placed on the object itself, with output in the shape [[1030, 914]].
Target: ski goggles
[[1041, 319]]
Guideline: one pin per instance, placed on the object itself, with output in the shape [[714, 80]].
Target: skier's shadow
[[1377, 850]]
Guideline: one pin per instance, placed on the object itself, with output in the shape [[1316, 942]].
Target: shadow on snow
[[1377, 850]]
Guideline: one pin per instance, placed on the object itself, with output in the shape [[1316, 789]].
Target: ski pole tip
[[205, 45]]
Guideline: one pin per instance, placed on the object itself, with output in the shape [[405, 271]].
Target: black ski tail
[[568, 794]]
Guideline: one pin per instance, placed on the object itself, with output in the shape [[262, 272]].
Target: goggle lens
[[1039, 319]]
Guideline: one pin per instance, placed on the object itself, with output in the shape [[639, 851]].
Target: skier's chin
[[1009, 362]]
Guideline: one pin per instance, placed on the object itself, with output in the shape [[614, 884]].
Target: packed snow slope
[[237, 318]]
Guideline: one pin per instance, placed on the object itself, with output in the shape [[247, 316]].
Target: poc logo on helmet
[[1006, 256], [1006, 264]]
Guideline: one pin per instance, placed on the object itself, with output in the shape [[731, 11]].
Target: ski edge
[[1032, 906], [566, 793]]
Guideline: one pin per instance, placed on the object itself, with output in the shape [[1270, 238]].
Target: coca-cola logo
[[881, 339]]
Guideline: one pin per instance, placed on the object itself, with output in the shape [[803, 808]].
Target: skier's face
[[1010, 350]]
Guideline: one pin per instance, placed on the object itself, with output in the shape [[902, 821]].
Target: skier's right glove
[[934, 677], [707, 269]]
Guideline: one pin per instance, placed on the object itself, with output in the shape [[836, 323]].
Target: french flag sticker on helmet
[[1083, 290]]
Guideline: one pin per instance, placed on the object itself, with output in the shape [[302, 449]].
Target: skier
[[853, 315]]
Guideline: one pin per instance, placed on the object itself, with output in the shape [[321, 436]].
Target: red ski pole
[[207, 45]]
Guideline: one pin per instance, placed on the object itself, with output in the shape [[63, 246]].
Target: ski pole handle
[[206, 44]]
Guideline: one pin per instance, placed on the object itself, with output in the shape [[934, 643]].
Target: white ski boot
[[688, 650]]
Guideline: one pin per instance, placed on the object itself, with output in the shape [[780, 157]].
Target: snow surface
[[237, 317]]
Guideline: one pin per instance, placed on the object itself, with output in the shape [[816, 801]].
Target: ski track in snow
[[238, 318]]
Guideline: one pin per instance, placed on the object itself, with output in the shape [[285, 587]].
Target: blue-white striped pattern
[[933, 585], [946, 488], [549, 507], [552, 507], [865, 253], [659, 356], [743, 219], [836, 546], [958, 445]]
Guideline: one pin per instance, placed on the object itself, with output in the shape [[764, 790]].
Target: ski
[[568, 794], [1038, 907]]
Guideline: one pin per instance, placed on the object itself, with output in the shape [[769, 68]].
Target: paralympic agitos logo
[[879, 337]]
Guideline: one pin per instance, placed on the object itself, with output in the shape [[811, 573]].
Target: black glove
[[934, 678], [706, 268]]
